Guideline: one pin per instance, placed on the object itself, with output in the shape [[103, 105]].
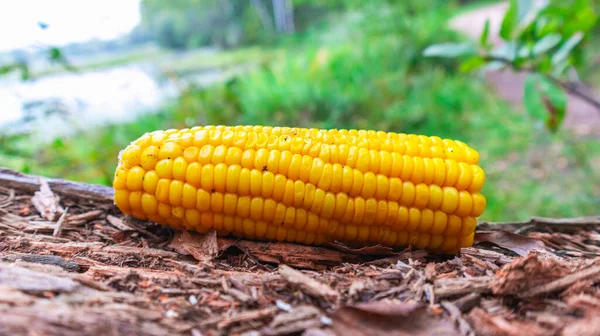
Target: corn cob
[[305, 185]]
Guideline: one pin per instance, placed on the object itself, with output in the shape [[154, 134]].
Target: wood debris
[[92, 270]]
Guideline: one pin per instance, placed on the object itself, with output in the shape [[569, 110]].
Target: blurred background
[[79, 80]]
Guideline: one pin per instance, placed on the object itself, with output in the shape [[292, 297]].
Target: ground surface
[[72, 264], [583, 118]]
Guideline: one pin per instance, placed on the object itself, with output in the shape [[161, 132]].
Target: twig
[[92, 193], [450, 287], [60, 222], [536, 222], [571, 87]]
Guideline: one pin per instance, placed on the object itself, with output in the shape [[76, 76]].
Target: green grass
[[167, 61], [196, 61], [107, 60], [371, 76]]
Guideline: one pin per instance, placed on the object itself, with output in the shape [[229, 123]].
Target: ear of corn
[[305, 185]]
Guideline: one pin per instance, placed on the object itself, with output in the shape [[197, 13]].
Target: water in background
[[51, 105]]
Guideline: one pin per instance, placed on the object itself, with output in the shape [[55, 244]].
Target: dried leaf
[[389, 319], [46, 202], [203, 247], [510, 241]]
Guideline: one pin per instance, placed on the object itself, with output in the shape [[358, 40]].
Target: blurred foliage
[[53, 54], [547, 40], [183, 24], [361, 67]]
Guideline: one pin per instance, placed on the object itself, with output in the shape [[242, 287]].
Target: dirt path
[[581, 117]]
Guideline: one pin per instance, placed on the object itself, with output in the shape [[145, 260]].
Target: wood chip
[[60, 223], [448, 287], [30, 281], [592, 273], [248, 316], [46, 202], [307, 284]]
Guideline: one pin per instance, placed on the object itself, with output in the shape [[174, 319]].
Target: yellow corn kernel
[[427, 218], [175, 192], [453, 226], [478, 179], [149, 158], [169, 150], [122, 200], [440, 172], [149, 204], [132, 155], [120, 179], [414, 219], [466, 241], [465, 204], [135, 178], [179, 168], [164, 210], [435, 241], [450, 244], [135, 200], [465, 176], [479, 203], [436, 196], [421, 196], [402, 219], [192, 218], [423, 240], [408, 193], [164, 168], [468, 226], [440, 221], [449, 199]]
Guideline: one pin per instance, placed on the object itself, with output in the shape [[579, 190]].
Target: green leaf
[[583, 21], [563, 52], [559, 69], [449, 50], [528, 14], [485, 33], [546, 43], [510, 20], [556, 103], [55, 54], [508, 51], [532, 98], [472, 63], [58, 143], [524, 7], [25, 73], [545, 101], [6, 69]]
